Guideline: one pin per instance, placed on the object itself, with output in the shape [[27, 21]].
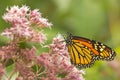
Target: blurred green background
[[94, 19]]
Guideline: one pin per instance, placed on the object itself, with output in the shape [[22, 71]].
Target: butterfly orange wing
[[85, 52]]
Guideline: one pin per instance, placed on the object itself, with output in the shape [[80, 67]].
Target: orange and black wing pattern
[[85, 52]]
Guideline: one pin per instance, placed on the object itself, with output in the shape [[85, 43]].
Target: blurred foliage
[[94, 19]]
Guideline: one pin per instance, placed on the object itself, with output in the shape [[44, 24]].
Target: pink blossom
[[59, 46], [35, 14], [43, 22], [29, 54], [35, 18], [25, 72], [19, 78], [24, 16], [75, 74], [9, 51], [16, 15], [23, 10], [7, 33], [20, 32], [38, 37], [57, 62], [22, 21]]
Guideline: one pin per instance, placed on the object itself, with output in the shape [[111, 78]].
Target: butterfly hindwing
[[105, 52]]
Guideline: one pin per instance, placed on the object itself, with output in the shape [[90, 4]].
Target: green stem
[[11, 75]]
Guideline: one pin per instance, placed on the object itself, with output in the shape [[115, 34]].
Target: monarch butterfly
[[84, 52]]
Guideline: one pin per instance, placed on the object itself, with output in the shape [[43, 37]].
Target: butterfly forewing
[[81, 56]]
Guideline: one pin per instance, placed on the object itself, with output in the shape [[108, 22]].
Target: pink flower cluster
[[22, 21], [52, 65], [57, 63]]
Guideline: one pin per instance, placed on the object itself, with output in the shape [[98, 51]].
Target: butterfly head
[[68, 39]]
